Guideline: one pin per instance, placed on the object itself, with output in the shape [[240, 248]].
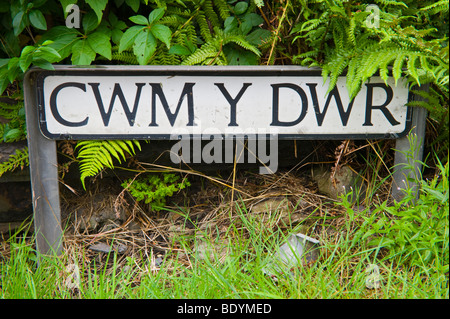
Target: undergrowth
[[232, 262]]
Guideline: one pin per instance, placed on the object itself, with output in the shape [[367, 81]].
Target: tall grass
[[407, 241]]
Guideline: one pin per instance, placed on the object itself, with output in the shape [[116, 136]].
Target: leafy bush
[[153, 189], [35, 33]]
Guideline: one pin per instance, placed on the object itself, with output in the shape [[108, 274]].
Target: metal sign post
[[409, 153], [153, 102], [43, 175]]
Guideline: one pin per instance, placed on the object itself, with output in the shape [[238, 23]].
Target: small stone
[[104, 248], [345, 181], [101, 247]]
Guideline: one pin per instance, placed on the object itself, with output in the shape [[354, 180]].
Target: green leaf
[[133, 4], [116, 35], [64, 38], [47, 53], [100, 43], [254, 19], [162, 33], [25, 61], [13, 69], [128, 37], [240, 7], [144, 46], [89, 22], [258, 37], [27, 50], [139, 20], [98, 6], [155, 15], [19, 23], [12, 135], [65, 4], [179, 49], [230, 24], [82, 53], [37, 19], [43, 64]]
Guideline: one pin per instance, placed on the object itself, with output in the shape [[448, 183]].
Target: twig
[[277, 32]]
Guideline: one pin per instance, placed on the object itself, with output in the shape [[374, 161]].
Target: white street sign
[[157, 104]]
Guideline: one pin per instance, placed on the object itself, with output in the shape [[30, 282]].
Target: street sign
[[157, 103], [175, 102]]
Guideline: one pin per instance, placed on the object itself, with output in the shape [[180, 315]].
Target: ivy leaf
[[128, 37], [37, 19], [139, 20], [162, 33], [144, 46], [98, 6], [155, 15], [100, 43], [82, 53]]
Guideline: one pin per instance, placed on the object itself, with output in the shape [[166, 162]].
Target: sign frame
[[43, 157]]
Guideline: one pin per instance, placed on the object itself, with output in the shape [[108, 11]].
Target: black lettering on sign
[[106, 115], [382, 108], [187, 91], [54, 106], [276, 102], [333, 93], [233, 102]]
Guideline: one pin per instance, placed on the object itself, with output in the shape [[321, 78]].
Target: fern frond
[[205, 32], [222, 7], [437, 7], [125, 57], [391, 3], [17, 160], [210, 13], [242, 42], [207, 50], [96, 155]]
